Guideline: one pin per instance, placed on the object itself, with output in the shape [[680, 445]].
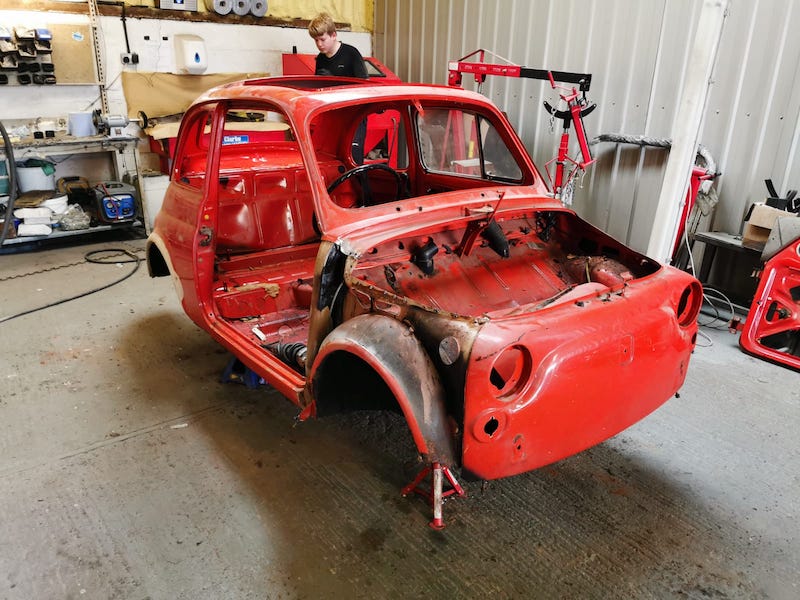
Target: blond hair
[[320, 25]]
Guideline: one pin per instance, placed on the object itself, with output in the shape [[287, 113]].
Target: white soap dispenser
[[190, 54]]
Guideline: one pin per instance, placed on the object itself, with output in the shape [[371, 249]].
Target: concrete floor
[[128, 471]]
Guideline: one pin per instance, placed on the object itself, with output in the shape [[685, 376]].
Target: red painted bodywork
[[772, 329], [508, 331]]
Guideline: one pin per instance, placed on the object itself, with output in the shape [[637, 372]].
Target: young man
[[335, 57], [342, 60]]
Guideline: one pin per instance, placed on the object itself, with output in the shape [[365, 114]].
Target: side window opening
[[499, 163], [462, 143], [191, 165], [369, 165], [254, 126]]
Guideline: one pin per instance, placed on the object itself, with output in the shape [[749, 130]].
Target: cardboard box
[[759, 223]]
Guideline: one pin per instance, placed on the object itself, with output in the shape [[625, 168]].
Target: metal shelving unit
[[125, 159]]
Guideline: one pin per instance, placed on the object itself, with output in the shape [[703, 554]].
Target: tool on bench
[[114, 125], [790, 202]]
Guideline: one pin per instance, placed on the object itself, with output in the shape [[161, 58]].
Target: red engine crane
[[577, 106]]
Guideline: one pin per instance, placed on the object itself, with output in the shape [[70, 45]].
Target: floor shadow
[[605, 523]]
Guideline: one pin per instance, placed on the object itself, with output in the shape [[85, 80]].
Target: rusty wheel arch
[[375, 361]]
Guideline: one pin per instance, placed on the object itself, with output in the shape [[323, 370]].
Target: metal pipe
[[12, 182]]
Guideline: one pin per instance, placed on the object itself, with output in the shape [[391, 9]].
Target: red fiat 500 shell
[[535, 335]]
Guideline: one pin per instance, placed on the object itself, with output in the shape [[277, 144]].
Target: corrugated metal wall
[[637, 53]]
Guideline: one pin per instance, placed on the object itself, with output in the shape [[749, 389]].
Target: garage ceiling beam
[[145, 12]]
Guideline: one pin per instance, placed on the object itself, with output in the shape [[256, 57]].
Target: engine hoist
[[574, 98]]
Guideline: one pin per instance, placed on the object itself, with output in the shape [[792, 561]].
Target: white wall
[[231, 48]]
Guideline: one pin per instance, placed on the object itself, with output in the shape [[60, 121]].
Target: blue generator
[[116, 202]]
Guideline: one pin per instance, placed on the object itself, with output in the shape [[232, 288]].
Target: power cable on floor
[[92, 258], [712, 295], [706, 337], [40, 271]]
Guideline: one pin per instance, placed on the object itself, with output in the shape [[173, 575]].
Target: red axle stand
[[435, 495]]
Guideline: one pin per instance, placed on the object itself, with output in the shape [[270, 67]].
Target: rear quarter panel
[[598, 366]]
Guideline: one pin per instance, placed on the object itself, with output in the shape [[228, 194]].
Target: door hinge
[[207, 234]]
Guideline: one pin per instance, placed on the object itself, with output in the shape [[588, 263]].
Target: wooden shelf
[[146, 12], [67, 144]]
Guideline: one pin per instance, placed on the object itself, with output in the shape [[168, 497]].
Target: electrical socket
[[129, 58]]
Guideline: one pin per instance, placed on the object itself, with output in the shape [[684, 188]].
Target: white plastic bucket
[[34, 178], [153, 191]]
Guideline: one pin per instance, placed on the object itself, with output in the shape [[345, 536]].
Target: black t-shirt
[[347, 62]]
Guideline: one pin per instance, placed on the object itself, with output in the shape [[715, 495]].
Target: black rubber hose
[[92, 258], [12, 183]]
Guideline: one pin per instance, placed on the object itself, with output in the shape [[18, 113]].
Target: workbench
[[728, 242], [124, 150], [125, 160], [719, 239]]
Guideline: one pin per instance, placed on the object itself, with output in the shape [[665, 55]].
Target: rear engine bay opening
[[519, 263]]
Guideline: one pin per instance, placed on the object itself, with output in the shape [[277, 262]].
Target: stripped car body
[[439, 278]]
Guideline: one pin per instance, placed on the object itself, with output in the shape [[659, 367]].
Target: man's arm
[[358, 66]]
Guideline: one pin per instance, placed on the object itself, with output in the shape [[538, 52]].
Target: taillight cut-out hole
[[688, 305], [684, 301], [497, 379], [511, 370], [491, 427]]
